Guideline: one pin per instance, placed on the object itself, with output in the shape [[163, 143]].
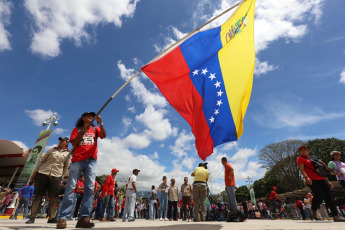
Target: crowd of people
[[82, 198]]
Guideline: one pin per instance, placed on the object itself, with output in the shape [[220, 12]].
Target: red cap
[[274, 187], [115, 170], [302, 147]]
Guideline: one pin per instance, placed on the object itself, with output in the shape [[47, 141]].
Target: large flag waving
[[208, 79]]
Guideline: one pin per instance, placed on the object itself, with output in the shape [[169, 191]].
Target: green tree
[[242, 194], [321, 148], [100, 179]]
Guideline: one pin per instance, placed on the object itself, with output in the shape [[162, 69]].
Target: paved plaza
[[141, 224]]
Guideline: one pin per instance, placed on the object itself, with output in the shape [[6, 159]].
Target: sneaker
[[101, 219], [161, 219], [61, 224], [52, 221], [339, 218], [111, 219], [166, 219], [131, 220], [30, 221], [84, 222]]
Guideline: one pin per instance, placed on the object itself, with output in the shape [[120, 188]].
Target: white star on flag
[[195, 72], [219, 93], [217, 84], [211, 119], [219, 102], [216, 111], [204, 71], [212, 76]]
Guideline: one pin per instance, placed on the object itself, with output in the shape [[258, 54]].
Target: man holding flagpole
[[84, 140]]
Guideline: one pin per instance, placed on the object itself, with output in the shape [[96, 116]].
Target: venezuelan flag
[[208, 79]]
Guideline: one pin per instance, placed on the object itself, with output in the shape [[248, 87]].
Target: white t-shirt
[[131, 179]]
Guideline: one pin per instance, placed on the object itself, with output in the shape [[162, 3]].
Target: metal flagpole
[[160, 54]]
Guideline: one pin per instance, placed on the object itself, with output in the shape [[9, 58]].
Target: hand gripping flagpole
[[159, 55]]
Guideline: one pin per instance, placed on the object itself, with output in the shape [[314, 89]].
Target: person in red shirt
[[79, 191], [229, 177], [110, 186], [84, 140], [299, 205], [273, 197], [320, 186]]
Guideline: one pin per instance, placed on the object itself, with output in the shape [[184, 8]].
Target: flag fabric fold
[[208, 79]]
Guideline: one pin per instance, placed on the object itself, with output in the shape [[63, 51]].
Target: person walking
[[172, 200], [320, 186], [48, 175], [201, 176], [229, 177], [187, 191], [25, 194], [338, 167], [163, 188], [153, 197], [84, 140], [131, 190], [110, 187]]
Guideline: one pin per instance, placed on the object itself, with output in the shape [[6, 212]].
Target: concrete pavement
[[141, 224]]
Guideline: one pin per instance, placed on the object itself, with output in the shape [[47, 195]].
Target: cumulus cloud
[[183, 144], [21, 145], [5, 13], [285, 115], [61, 131], [263, 67], [137, 141], [342, 77], [56, 21], [139, 90], [159, 127], [39, 115]]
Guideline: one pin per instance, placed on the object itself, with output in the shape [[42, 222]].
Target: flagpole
[[160, 54]]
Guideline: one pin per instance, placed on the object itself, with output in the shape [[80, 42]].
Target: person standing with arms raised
[[84, 140]]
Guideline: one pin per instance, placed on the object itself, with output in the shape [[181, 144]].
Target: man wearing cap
[[131, 191], [272, 198], [201, 175], [84, 140], [110, 185], [320, 186], [48, 173], [338, 167]]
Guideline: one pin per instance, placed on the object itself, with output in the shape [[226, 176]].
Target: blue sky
[[69, 57]]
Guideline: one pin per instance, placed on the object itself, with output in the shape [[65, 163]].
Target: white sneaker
[[166, 219], [161, 219]]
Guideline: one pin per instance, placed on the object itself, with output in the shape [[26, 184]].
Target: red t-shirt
[[308, 168], [110, 184], [273, 195], [88, 145], [79, 184]]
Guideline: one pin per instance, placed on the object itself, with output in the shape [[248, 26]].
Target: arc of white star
[[216, 111], [219, 102], [212, 76], [204, 71], [217, 84], [219, 93], [211, 119], [195, 72]]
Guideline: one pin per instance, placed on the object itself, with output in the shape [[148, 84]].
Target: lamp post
[[251, 189], [51, 119]]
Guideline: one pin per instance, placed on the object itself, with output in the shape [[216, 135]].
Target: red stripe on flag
[[171, 75]]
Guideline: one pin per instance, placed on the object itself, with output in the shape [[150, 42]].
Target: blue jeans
[[163, 206], [109, 206], [230, 191], [88, 167], [22, 201], [99, 208], [129, 205], [152, 210]]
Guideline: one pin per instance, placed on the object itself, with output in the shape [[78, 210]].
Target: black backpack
[[320, 167]]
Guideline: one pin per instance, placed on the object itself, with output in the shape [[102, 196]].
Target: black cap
[[63, 138], [87, 113], [136, 170]]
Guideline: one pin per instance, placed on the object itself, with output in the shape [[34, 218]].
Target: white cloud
[[5, 13], [263, 67], [342, 77], [56, 21], [131, 109], [39, 115], [155, 156], [61, 131], [21, 145], [139, 89], [183, 144], [137, 141], [283, 115], [229, 146], [159, 127]]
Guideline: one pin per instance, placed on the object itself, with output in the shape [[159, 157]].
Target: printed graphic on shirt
[[88, 139]]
